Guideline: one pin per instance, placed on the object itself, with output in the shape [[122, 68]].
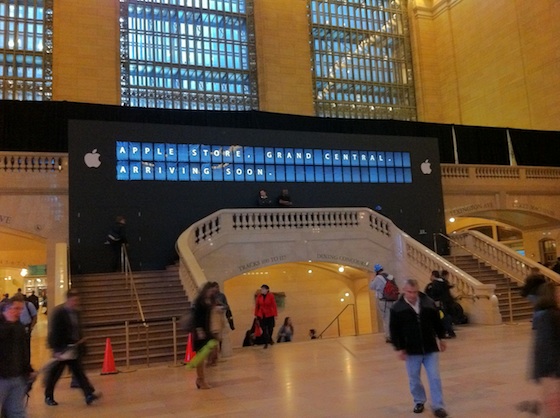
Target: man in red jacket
[[266, 311]]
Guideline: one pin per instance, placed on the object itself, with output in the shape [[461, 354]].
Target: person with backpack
[[386, 293], [439, 290]]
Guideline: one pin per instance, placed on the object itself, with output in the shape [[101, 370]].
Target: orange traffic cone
[[108, 361], [189, 355]]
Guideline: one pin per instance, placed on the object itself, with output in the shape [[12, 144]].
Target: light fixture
[[23, 272], [347, 294], [341, 269], [342, 299], [310, 271], [451, 220]]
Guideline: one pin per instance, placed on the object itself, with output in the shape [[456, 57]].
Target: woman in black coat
[[546, 352], [202, 309]]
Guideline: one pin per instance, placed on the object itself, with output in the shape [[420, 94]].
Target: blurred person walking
[[15, 369], [546, 353], [65, 339], [203, 306]]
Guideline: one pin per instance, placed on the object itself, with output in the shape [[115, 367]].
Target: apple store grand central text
[[199, 162]]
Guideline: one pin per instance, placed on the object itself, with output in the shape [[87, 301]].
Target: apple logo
[[92, 159], [426, 167]]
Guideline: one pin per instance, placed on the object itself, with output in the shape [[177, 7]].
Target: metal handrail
[[337, 319], [507, 275], [127, 325], [129, 279]]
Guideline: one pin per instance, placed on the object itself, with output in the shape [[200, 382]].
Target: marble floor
[[483, 371]]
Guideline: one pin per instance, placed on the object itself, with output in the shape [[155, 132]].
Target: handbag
[[258, 330]]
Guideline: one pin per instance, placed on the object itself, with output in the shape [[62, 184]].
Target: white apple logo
[[426, 167], [92, 159]]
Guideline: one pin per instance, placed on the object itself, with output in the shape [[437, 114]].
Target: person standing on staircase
[[65, 339], [116, 239]]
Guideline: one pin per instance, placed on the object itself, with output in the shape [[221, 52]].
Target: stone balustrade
[[264, 226], [27, 162], [513, 264]]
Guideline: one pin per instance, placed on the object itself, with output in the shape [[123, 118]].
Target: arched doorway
[[312, 294], [23, 258], [547, 251]]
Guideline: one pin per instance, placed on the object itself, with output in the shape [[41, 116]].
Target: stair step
[[106, 303]]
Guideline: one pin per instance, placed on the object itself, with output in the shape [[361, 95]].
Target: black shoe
[[440, 413], [418, 408], [532, 407], [91, 397], [49, 400]]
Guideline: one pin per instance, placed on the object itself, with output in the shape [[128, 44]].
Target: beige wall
[[283, 57], [488, 63], [477, 62], [86, 51]]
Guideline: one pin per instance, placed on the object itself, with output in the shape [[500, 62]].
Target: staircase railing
[[131, 284], [411, 258], [517, 266], [128, 327], [479, 261], [337, 320]]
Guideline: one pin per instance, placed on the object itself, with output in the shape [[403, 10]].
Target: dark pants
[[77, 370], [116, 255], [267, 325]]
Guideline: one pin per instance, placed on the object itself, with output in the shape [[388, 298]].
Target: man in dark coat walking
[[415, 327], [65, 338]]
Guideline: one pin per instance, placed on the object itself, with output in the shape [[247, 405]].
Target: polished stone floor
[[483, 371]]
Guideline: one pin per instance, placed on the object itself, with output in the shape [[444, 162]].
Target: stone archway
[[313, 295], [19, 250]]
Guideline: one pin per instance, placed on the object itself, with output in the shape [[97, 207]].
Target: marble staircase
[[108, 306]]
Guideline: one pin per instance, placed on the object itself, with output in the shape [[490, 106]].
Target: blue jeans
[[413, 368], [12, 394]]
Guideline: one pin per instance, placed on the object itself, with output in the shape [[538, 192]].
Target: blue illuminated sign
[[198, 162]]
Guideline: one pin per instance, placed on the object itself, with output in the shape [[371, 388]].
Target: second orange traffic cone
[[189, 355], [109, 360]]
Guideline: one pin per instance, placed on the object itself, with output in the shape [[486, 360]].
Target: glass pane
[[183, 38], [358, 48], [26, 67]]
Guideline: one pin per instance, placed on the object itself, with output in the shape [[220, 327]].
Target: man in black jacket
[[415, 326], [65, 338], [15, 370]]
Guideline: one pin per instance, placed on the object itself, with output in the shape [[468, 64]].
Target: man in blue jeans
[[415, 327]]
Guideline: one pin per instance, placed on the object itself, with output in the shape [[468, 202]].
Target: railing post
[[355, 312], [147, 347], [127, 344], [338, 324], [174, 340], [509, 301]]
